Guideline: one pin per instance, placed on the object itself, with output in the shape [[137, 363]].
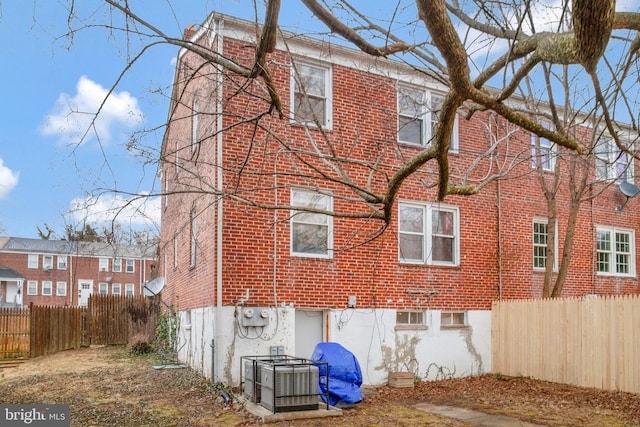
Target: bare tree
[[523, 59]]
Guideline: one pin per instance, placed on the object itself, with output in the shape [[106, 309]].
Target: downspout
[[217, 347], [499, 208]]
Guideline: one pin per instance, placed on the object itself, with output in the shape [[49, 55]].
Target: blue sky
[[44, 171]]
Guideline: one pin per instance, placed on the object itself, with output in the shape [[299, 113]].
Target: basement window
[[410, 319], [453, 319]]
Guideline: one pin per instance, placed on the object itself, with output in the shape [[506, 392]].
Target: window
[[103, 264], [404, 317], [193, 237], [453, 319], [32, 261], [32, 287], [166, 189], [311, 233], [177, 160], [47, 287], [615, 251], [175, 251], [428, 234], [61, 289], [131, 266], [194, 123], [117, 265], [540, 236], [116, 289], [62, 262], [103, 288], [128, 289], [47, 262], [542, 151], [418, 112], [612, 163], [311, 91]]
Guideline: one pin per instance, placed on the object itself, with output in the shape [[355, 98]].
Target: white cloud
[[8, 179], [141, 212], [72, 116]]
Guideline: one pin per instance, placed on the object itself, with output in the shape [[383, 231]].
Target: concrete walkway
[[475, 417]]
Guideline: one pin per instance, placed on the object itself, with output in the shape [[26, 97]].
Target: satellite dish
[[154, 287], [628, 189]]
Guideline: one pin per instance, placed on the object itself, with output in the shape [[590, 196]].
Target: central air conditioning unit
[[252, 375], [289, 387]]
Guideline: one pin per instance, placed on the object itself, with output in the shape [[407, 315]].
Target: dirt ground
[[108, 387]]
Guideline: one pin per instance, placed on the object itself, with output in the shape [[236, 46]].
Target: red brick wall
[[496, 224]]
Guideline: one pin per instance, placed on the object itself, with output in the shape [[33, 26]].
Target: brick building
[[412, 295], [59, 272]]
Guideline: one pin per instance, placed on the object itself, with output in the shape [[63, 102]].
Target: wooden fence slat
[[588, 342]]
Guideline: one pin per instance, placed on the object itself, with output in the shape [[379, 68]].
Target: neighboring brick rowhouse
[[59, 268]]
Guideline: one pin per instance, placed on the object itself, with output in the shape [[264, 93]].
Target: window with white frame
[[103, 264], [117, 265], [540, 241], [116, 289], [62, 262], [166, 189], [128, 289], [311, 232], [175, 251], [428, 234], [32, 287], [103, 288], [194, 123], [193, 237], [418, 115], [130, 266], [542, 153], [47, 262], [453, 319], [311, 94], [410, 317], [32, 261], [61, 289], [177, 159], [612, 164], [47, 287], [615, 251]]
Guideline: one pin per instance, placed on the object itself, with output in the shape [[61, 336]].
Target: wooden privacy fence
[[14, 333], [588, 342], [55, 329], [108, 319], [117, 319]]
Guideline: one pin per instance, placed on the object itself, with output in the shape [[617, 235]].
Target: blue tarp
[[345, 376]]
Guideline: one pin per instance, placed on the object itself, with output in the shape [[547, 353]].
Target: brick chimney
[[189, 32]]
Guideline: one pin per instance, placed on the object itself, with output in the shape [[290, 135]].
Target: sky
[[51, 82], [57, 166]]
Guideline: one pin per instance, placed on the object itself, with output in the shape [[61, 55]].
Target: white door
[[85, 289], [14, 293], [309, 331]]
